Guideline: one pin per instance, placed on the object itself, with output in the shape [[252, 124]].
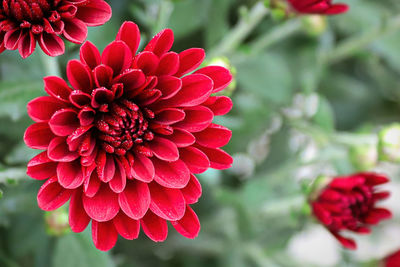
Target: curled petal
[[51, 195]]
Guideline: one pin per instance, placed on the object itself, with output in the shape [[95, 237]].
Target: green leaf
[[267, 76], [77, 250], [15, 95], [324, 117]]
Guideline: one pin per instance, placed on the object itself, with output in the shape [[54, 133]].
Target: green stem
[[242, 29], [50, 65], [350, 46], [278, 33]]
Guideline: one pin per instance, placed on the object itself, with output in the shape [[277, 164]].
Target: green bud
[[57, 222], [314, 25], [389, 143], [364, 157]]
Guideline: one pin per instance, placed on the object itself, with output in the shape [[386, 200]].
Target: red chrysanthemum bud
[[393, 260], [25, 22], [124, 141], [349, 203], [322, 7]]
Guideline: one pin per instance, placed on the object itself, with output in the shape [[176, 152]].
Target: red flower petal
[[64, 122], [195, 160], [189, 60], [118, 56], [51, 44], [78, 219], [58, 151], [104, 235], [103, 206], [42, 108], [168, 65], [147, 62], [161, 43], [135, 199], [221, 76], [169, 116], [79, 76], [164, 149], [192, 191], [181, 138], [167, 203], [103, 75], [219, 105], [214, 136], [118, 183], [197, 119], [196, 88], [188, 225], [171, 174], [70, 174], [169, 86], [130, 34], [219, 159], [126, 227], [154, 227], [75, 30], [94, 12], [38, 136], [105, 166], [12, 38], [90, 55], [41, 167], [51, 195], [27, 44], [57, 87], [143, 169]]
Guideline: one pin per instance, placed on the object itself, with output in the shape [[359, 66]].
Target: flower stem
[[242, 29], [350, 46], [275, 35], [50, 65]]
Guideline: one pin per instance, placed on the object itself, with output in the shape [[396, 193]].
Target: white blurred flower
[[314, 246]]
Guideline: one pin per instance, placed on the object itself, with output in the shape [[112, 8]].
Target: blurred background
[[313, 96]]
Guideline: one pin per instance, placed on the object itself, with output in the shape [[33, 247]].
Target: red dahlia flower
[[123, 144], [349, 203], [322, 7], [25, 22]]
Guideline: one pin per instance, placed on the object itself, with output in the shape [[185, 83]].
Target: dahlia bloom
[[322, 7], [124, 140], [349, 203], [25, 22]]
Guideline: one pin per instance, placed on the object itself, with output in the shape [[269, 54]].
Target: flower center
[[29, 10], [122, 126]]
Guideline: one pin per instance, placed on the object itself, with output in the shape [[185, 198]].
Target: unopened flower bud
[[389, 143], [57, 222], [314, 25]]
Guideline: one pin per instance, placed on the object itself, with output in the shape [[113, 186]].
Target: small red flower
[[322, 7], [123, 144], [393, 260], [25, 22], [349, 203]]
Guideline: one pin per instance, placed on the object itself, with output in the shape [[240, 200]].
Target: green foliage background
[[310, 97]]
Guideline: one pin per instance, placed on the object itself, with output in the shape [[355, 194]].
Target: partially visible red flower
[[123, 144], [349, 203], [25, 22], [322, 7], [393, 260]]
